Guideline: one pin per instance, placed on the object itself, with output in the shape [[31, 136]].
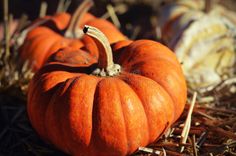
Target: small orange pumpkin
[[60, 31], [97, 107]]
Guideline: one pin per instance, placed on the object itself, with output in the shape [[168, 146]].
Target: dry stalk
[[204, 114], [187, 125], [223, 110], [137, 30], [149, 150], [112, 13], [118, 9], [194, 145], [222, 132], [66, 5], [10, 73], [6, 30], [22, 23], [20, 37], [224, 90], [208, 5], [43, 9], [63, 5], [202, 139]]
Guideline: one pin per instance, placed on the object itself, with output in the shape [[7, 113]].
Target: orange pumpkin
[[60, 31], [97, 107]]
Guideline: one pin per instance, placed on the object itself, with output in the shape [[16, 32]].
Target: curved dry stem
[[106, 66], [76, 18]]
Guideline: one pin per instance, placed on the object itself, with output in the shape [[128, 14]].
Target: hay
[[213, 118]]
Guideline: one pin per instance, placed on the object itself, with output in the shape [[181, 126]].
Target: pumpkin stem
[[208, 6], [106, 66], [72, 31]]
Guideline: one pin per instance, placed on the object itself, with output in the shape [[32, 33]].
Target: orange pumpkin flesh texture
[[49, 37], [84, 114]]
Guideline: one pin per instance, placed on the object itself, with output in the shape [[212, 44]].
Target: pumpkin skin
[[48, 37], [84, 114]]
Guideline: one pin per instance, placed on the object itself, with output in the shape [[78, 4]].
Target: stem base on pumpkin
[[106, 66], [113, 70]]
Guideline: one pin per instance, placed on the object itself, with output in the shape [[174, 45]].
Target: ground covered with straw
[[206, 127]]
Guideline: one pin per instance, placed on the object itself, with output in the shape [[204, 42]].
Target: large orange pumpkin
[[97, 107], [60, 31]]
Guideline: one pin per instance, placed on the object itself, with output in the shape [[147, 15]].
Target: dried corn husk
[[203, 42]]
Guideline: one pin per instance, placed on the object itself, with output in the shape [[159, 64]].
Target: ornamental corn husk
[[203, 42]]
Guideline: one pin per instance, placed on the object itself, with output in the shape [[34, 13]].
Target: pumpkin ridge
[[141, 101], [132, 85], [131, 140], [74, 127], [166, 86], [54, 122], [45, 96], [175, 73], [34, 117], [65, 115], [95, 140], [124, 120], [92, 140]]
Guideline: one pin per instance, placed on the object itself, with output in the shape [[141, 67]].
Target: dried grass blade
[[6, 29], [113, 15], [187, 125], [43, 9], [60, 6], [149, 150], [202, 138], [194, 146], [66, 5]]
